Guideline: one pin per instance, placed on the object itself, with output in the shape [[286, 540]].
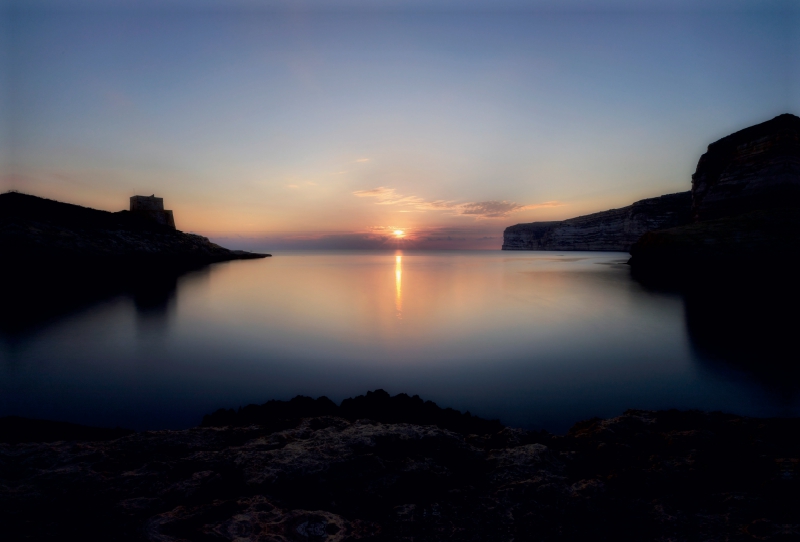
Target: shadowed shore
[[59, 258], [286, 471]]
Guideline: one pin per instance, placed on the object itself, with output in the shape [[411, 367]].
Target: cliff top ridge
[[786, 121]]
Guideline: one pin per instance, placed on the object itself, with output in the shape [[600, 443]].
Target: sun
[[399, 233]]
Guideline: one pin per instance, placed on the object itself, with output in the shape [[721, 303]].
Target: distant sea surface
[[536, 339]]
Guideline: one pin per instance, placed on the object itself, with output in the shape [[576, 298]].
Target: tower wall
[[152, 208]]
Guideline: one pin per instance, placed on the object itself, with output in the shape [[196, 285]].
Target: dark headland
[[399, 468], [745, 209], [743, 212], [58, 257], [43, 230]]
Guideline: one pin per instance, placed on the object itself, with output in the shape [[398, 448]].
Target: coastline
[[643, 475]]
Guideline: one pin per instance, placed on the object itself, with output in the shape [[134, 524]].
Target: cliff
[[764, 242], [641, 476], [745, 206], [614, 230], [35, 229], [753, 169]]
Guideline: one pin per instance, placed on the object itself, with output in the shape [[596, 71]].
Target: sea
[[538, 340]]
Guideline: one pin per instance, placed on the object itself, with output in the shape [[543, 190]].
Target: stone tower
[[152, 208]]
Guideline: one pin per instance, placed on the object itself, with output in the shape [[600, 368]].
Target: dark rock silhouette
[[742, 205], [746, 210], [59, 258], [376, 405], [33, 228], [753, 169], [614, 230], [762, 242], [641, 476]]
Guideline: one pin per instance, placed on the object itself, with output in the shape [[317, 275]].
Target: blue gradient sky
[[329, 124]]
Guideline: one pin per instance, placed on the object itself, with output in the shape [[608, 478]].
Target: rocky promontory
[[741, 206], [644, 475], [33, 228], [614, 230], [757, 168], [58, 258], [745, 206]]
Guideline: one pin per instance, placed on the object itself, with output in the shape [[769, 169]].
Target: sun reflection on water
[[398, 284]]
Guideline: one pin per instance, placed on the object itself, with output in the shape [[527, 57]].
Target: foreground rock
[[614, 230], [642, 476]]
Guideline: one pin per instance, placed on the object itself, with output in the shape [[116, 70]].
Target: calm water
[[539, 340]]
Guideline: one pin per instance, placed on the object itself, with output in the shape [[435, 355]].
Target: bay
[[536, 339]]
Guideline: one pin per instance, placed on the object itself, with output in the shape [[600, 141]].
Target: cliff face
[[743, 242], [754, 169], [614, 230], [745, 207]]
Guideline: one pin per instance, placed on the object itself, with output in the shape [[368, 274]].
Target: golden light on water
[[399, 233], [398, 284]]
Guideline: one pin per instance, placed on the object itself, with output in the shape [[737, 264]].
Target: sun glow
[[399, 233]]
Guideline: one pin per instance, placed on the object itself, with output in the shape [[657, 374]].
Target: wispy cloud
[[478, 209], [362, 160]]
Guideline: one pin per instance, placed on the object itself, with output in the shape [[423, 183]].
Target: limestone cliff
[[745, 207], [753, 169], [614, 230]]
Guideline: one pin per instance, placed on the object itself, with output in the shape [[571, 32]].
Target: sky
[[320, 124]]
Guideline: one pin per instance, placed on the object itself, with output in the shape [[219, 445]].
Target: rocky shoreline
[[644, 475]]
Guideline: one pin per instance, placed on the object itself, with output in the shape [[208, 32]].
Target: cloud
[[490, 209], [479, 209], [500, 209], [389, 196], [363, 160]]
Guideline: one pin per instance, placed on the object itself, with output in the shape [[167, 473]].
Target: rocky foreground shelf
[[641, 476]]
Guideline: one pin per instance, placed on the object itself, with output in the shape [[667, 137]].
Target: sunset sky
[[324, 124]]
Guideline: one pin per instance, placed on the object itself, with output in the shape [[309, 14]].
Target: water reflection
[[43, 297], [398, 284], [538, 340], [741, 331], [747, 327]]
